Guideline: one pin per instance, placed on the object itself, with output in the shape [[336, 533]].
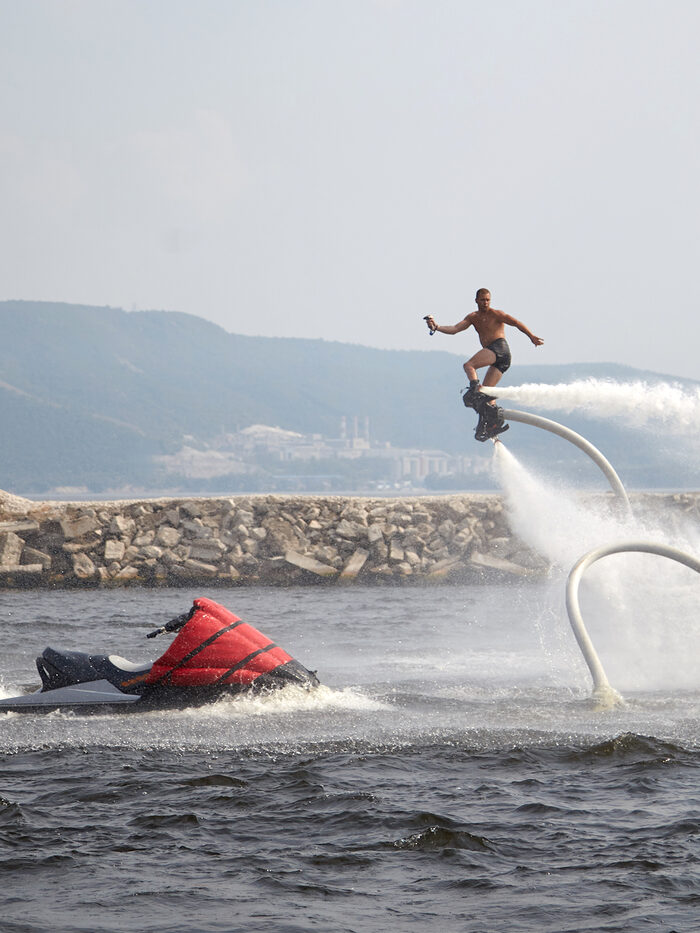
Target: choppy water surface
[[451, 771]]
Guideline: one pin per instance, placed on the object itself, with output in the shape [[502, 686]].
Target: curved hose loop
[[603, 693], [554, 427]]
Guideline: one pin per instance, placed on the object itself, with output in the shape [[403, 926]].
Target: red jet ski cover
[[216, 647]]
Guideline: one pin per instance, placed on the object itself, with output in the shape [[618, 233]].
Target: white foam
[[291, 699], [7, 692]]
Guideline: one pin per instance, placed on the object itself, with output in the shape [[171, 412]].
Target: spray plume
[[643, 609], [638, 403]]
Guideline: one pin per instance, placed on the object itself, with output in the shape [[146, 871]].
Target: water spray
[[672, 406], [555, 428], [604, 695]]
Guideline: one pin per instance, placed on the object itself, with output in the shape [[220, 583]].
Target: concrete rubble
[[270, 540]]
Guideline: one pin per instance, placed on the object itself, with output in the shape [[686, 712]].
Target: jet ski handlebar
[[174, 625]]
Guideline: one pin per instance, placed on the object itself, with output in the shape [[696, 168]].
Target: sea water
[[451, 772]]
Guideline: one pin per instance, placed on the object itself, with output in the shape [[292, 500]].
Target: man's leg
[[492, 377], [483, 358], [491, 421], [473, 397]]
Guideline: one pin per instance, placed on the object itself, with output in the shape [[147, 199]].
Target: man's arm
[[449, 328], [514, 322]]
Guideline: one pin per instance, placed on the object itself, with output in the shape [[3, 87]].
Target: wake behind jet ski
[[215, 654]]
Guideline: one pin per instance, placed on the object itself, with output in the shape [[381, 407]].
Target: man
[[489, 323]]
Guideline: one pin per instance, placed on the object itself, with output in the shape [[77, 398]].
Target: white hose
[[554, 427], [603, 693]]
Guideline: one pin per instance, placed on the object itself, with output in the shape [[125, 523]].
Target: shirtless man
[[489, 323]]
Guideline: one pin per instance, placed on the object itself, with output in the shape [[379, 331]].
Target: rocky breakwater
[[259, 540], [276, 540]]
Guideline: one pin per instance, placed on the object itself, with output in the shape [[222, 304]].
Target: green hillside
[[89, 395]]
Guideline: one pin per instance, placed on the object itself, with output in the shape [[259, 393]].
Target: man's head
[[483, 299]]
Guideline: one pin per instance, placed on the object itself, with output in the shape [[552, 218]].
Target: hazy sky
[[339, 168]]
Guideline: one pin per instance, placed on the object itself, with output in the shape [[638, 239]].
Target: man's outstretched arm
[[448, 328], [514, 322]]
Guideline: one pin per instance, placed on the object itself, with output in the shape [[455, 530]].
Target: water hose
[[603, 693], [555, 428]]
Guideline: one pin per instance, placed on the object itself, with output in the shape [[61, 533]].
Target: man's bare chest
[[488, 326]]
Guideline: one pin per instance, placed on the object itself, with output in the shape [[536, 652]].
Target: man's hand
[[538, 341], [432, 326]]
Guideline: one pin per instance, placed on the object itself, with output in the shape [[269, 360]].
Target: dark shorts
[[502, 350]]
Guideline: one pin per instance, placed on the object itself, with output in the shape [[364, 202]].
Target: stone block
[[20, 570], [211, 550], [354, 565], [196, 528], [168, 536], [126, 574], [19, 527], [83, 567], [114, 550], [122, 525], [446, 529], [347, 529], [79, 527], [491, 562], [193, 570], [310, 564], [32, 556], [281, 536], [442, 568], [144, 539], [412, 558], [10, 549]]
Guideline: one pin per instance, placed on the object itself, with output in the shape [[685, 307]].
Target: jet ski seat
[[64, 668], [131, 667]]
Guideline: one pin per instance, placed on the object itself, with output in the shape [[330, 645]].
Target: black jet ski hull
[[215, 655], [102, 696]]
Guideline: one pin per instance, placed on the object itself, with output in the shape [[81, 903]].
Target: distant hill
[[89, 395]]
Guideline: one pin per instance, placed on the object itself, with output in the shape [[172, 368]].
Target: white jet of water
[[638, 403], [644, 611]]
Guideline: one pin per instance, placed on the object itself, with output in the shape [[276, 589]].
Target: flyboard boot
[[491, 422], [474, 397]]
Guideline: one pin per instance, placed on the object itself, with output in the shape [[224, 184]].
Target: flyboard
[[491, 421]]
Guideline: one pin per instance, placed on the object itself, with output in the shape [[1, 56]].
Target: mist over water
[[641, 610]]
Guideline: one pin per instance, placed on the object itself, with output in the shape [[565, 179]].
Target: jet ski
[[214, 654]]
